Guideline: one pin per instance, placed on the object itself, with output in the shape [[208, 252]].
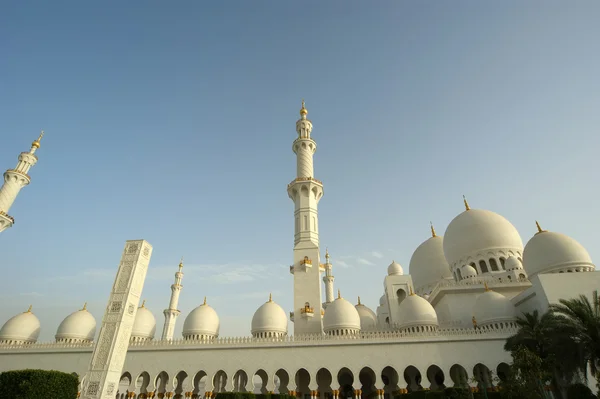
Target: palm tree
[[549, 338], [582, 317]]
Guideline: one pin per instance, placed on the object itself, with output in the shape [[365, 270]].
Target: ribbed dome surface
[[492, 307], [24, 327], [202, 321], [549, 251], [477, 231], [416, 311], [341, 314], [144, 325], [78, 326], [270, 317], [428, 264]]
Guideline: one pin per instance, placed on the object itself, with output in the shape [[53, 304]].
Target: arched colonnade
[[365, 383]]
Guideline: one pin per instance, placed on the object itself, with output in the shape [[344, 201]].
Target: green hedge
[[38, 384], [250, 395]]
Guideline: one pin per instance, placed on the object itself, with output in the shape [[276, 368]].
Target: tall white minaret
[[171, 313], [14, 180], [328, 280], [306, 191]]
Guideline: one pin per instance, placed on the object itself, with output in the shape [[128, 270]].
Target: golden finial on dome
[[339, 294], [303, 110], [204, 301], [539, 228], [36, 142], [432, 230], [29, 310], [143, 304], [467, 207], [84, 306], [486, 286], [359, 301], [270, 297], [411, 291]]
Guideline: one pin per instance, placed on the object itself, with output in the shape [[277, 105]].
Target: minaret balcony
[[304, 179], [307, 311], [6, 221]]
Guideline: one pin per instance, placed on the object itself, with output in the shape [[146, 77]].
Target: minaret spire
[[328, 280], [306, 192], [14, 180], [172, 313]]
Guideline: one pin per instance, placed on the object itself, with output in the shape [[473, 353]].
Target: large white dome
[[341, 315], [201, 323], [368, 319], [22, 328], [394, 269], [270, 318], [548, 252], [492, 307], [144, 325], [428, 264], [76, 327], [415, 311], [478, 231]]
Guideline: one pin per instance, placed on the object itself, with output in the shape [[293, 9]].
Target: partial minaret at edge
[[306, 192], [172, 313], [14, 180]]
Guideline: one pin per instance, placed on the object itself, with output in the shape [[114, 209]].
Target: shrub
[[38, 384], [234, 395], [580, 391], [457, 393]]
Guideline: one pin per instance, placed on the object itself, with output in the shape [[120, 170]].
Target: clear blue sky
[[173, 122]]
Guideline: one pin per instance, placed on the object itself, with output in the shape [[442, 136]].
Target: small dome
[[417, 312], [394, 269], [492, 307], [513, 263], [476, 231], [382, 300], [468, 271], [548, 252], [76, 327], [341, 315], [201, 323], [144, 325], [22, 328], [269, 318], [368, 318], [428, 264]]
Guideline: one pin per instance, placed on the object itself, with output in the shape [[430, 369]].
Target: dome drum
[[77, 327], [341, 318], [551, 252], [201, 324], [480, 235], [269, 321]]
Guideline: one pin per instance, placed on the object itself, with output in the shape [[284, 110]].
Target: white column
[[172, 313], [107, 361]]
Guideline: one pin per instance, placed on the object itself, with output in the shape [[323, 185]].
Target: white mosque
[[443, 325]]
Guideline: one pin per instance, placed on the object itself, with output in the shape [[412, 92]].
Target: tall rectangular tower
[[109, 354], [306, 192]]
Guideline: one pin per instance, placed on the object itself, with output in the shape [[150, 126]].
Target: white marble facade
[[443, 324]]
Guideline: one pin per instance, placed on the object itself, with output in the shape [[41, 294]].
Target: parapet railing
[[364, 337], [478, 281]]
